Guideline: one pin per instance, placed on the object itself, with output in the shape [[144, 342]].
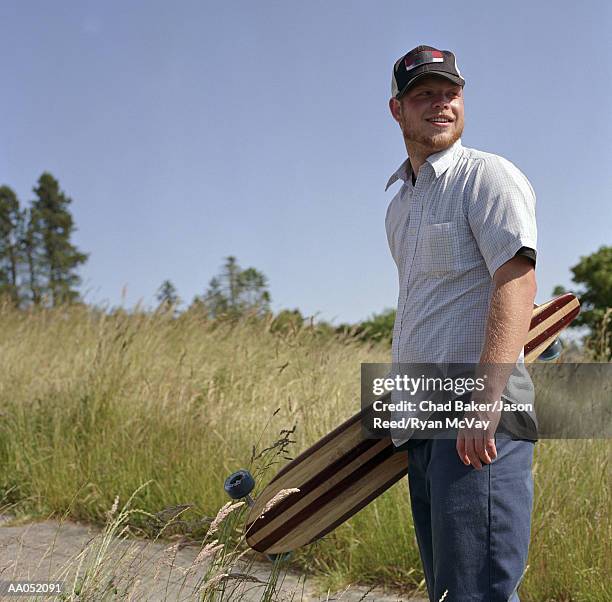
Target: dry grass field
[[96, 405]]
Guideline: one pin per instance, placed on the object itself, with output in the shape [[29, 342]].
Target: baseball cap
[[421, 61]]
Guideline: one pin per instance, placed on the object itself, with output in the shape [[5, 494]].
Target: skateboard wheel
[[282, 557], [552, 352], [239, 484]]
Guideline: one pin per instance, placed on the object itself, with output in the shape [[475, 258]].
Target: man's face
[[431, 97]]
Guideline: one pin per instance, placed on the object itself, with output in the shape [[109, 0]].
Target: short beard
[[435, 143]]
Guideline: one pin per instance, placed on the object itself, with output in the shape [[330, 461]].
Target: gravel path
[[141, 570]]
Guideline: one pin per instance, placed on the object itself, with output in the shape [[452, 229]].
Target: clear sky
[[188, 131]]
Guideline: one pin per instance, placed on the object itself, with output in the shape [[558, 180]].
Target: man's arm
[[506, 331]]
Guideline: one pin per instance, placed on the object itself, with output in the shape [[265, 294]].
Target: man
[[462, 232]]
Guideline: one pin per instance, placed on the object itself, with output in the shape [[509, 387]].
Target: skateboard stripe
[[547, 330], [318, 445], [542, 335], [311, 484], [540, 312], [552, 323], [542, 340], [341, 502], [341, 447], [396, 477], [314, 489], [544, 311], [549, 327], [339, 490]]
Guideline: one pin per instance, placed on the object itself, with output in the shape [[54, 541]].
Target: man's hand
[[507, 327], [476, 446]]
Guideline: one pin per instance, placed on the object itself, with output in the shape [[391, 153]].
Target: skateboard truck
[[552, 352], [239, 486]]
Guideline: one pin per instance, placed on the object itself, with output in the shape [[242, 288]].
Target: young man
[[462, 232]]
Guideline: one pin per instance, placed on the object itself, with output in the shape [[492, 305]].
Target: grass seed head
[[222, 515], [279, 497], [210, 549]]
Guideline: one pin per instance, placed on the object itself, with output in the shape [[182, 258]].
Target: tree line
[[38, 262], [235, 292]]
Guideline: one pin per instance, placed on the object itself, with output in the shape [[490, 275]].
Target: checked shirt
[[469, 212]]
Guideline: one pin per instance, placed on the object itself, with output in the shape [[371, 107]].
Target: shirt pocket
[[440, 249]]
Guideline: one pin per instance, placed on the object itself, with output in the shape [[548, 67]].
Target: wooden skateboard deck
[[344, 471]]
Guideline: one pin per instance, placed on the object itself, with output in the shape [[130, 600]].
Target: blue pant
[[472, 526]]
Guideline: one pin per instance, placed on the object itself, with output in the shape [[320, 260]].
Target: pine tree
[[11, 225], [231, 275], [51, 222], [31, 244], [167, 295], [215, 300], [252, 285], [236, 291]]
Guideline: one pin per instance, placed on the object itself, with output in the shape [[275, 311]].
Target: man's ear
[[396, 108]]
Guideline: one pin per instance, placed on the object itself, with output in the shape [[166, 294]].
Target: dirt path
[[139, 570]]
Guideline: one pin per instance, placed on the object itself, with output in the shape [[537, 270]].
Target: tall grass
[[112, 565], [94, 405]]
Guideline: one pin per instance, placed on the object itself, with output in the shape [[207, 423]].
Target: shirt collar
[[403, 172], [439, 161]]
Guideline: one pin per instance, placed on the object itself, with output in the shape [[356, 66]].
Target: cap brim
[[454, 78]]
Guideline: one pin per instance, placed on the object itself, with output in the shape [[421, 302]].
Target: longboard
[[344, 471]]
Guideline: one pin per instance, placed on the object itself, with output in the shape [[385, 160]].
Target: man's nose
[[440, 99]]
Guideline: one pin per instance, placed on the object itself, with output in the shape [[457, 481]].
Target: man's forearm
[[507, 322], [506, 330]]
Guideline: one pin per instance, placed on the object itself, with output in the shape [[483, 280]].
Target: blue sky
[[185, 132]]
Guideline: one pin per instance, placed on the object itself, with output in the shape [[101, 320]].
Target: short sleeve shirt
[[468, 213]]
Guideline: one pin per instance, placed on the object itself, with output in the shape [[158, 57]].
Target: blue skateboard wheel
[[239, 484]]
